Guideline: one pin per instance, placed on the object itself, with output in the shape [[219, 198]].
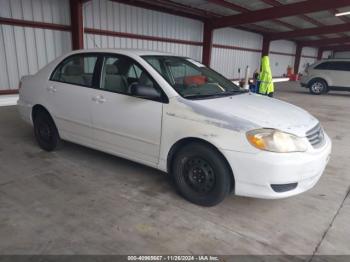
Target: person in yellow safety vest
[[266, 86]]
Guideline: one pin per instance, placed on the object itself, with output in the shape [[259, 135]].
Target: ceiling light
[[343, 13]]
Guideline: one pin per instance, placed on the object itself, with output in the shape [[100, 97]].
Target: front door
[[123, 124]]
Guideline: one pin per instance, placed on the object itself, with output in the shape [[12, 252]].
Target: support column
[[319, 53], [265, 46], [297, 58], [77, 28], [207, 44]]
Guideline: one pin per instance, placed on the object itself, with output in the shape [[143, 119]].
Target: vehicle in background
[[326, 75], [177, 115]]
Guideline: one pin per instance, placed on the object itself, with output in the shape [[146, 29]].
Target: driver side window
[[120, 74], [134, 72], [112, 79]]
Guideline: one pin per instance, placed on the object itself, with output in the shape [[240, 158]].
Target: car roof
[[335, 60], [130, 51]]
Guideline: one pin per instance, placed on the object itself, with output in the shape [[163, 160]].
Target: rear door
[[69, 96], [340, 74], [337, 71], [123, 124]]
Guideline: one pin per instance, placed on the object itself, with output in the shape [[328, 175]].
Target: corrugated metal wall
[[25, 50], [311, 58], [107, 15], [228, 61], [49, 11], [328, 54], [280, 62]]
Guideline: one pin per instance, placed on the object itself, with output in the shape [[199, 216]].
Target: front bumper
[[256, 173], [304, 80]]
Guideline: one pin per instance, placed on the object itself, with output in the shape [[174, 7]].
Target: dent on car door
[[124, 124], [69, 92]]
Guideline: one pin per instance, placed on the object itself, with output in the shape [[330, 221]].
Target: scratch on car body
[[211, 117]]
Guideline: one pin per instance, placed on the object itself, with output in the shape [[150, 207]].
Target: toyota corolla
[[177, 115]]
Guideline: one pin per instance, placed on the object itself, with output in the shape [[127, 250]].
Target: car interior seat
[[145, 80], [114, 81], [73, 74]]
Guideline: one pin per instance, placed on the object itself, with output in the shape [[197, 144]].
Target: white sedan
[[174, 114]]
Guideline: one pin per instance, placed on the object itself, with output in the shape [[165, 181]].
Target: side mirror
[[145, 92]]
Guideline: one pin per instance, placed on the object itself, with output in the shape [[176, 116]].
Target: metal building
[[181, 124], [227, 35]]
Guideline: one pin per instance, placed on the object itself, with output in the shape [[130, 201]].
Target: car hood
[[249, 111]]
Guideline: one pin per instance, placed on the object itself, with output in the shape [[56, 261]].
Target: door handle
[[51, 89], [99, 99]]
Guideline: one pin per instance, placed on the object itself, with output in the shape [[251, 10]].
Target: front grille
[[279, 188], [315, 136]]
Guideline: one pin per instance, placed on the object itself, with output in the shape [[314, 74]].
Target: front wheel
[[318, 86], [201, 175]]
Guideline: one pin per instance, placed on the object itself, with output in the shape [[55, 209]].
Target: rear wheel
[[318, 86], [45, 131], [201, 175]]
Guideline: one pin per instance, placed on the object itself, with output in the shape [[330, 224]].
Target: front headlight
[[275, 141]]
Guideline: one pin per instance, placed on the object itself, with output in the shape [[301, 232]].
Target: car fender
[[324, 77], [181, 122]]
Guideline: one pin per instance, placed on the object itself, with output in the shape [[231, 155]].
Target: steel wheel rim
[[317, 87], [44, 132], [199, 175]]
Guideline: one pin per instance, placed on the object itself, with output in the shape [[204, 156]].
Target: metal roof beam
[[170, 8], [229, 5], [329, 29], [242, 9], [278, 12], [304, 17], [324, 42]]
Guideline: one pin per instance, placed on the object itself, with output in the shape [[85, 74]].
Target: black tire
[[45, 131], [201, 175], [318, 87]]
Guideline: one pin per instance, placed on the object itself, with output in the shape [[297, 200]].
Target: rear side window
[[322, 66], [336, 66], [76, 70]]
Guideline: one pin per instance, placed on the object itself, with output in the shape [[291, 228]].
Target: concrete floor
[[78, 200]]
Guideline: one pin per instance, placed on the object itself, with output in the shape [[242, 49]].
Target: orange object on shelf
[[195, 80], [290, 71], [294, 77]]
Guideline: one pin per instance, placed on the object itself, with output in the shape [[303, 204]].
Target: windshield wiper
[[226, 93], [200, 96], [236, 91]]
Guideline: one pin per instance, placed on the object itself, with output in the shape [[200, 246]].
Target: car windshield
[[191, 79]]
